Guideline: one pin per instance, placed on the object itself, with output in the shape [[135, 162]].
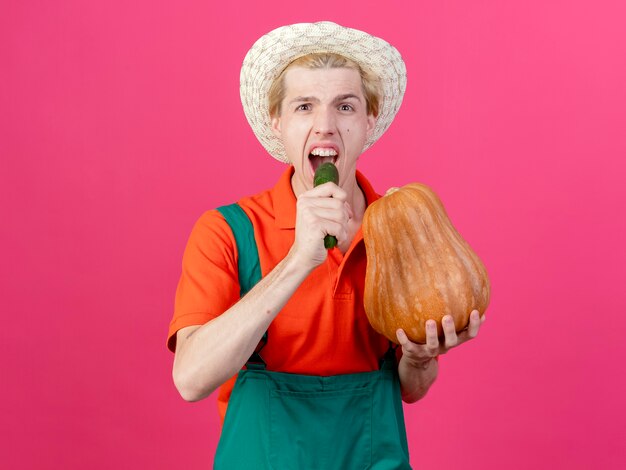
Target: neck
[[356, 198]]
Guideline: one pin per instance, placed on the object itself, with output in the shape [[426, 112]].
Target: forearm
[[217, 350], [416, 378]]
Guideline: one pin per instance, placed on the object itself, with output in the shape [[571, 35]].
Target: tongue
[[317, 160]]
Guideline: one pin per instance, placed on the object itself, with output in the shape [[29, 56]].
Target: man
[[325, 391]]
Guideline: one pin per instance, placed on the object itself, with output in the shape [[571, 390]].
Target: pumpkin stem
[[391, 190]]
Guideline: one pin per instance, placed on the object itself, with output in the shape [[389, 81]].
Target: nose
[[324, 123]]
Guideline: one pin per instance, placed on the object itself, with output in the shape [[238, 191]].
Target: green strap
[[248, 265]]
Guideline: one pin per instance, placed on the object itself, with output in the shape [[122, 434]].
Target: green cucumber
[[327, 173]]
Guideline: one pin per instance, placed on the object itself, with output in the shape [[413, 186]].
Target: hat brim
[[269, 56]]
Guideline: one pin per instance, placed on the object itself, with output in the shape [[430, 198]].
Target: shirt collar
[[285, 200]]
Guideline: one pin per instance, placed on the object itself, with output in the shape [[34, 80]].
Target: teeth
[[322, 152]]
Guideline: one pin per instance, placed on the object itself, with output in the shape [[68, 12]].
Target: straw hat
[[273, 52]]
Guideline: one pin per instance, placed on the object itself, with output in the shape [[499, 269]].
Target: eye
[[346, 107], [304, 107]]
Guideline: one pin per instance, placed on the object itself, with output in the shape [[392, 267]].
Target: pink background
[[120, 123]]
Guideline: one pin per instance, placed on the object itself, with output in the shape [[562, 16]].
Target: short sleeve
[[208, 283]]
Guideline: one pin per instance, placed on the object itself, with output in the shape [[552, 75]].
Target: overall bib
[[285, 421]]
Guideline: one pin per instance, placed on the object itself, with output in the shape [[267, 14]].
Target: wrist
[[419, 363], [295, 264], [416, 378], [299, 263]]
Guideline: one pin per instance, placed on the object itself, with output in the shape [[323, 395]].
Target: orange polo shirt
[[322, 330]]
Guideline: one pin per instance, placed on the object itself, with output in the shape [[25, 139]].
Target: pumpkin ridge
[[373, 272]]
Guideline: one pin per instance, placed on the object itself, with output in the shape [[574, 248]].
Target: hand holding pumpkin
[[418, 368], [418, 355]]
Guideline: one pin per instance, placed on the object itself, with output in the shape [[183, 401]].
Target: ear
[[371, 123], [276, 126]]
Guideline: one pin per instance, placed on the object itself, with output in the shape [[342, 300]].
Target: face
[[323, 118]]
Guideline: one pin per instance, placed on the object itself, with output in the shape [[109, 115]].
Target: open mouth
[[322, 155]]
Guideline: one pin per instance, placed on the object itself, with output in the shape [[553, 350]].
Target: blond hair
[[326, 60]]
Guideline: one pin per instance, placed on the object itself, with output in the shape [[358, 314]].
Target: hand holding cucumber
[[327, 173]]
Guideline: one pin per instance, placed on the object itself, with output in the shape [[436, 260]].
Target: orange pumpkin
[[418, 266]]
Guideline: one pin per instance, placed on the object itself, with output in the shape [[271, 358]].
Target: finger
[[339, 215], [311, 210], [403, 339], [474, 324], [336, 229], [432, 340], [327, 190], [449, 331], [409, 349], [320, 202]]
